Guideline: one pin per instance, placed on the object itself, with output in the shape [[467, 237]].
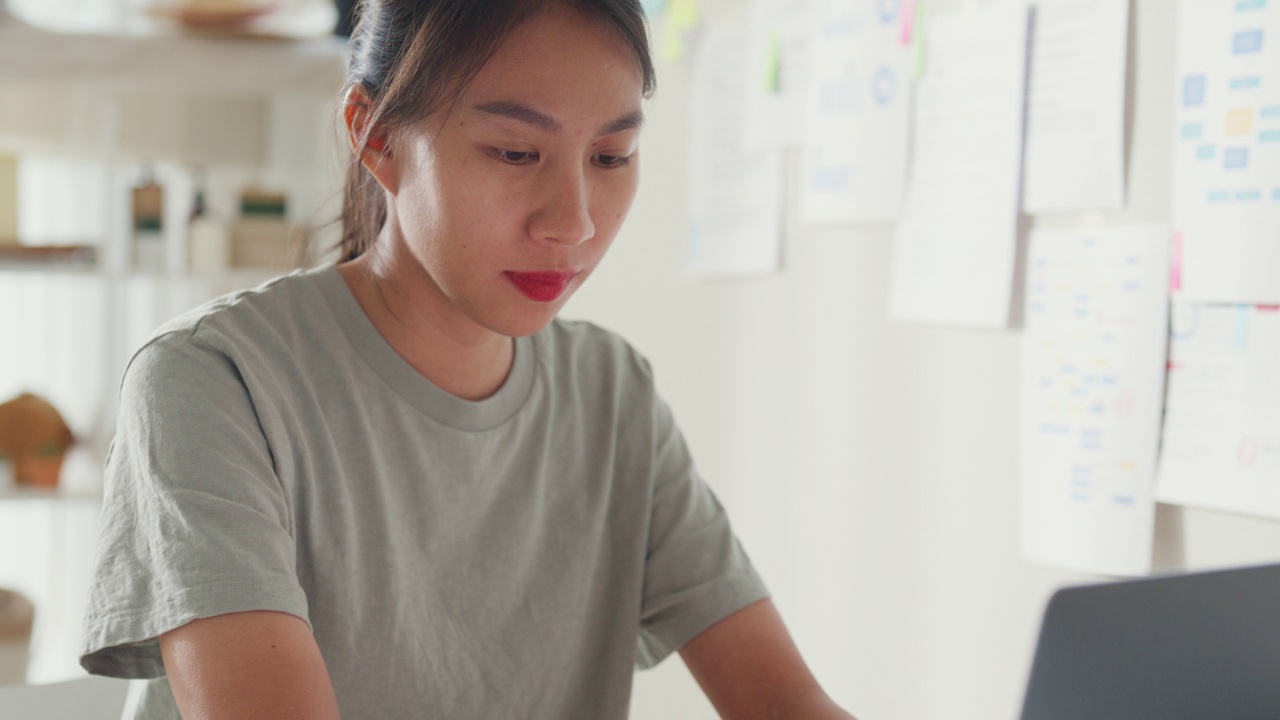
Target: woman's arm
[[248, 665], [750, 669]]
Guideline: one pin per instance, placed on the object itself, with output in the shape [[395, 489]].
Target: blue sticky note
[[1193, 90], [1247, 41], [653, 7]]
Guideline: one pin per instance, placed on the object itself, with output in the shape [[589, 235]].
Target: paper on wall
[[1092, 384], [1222, 427], [735, 194], [954, 250], [1075, 106], [1227, 151], [853, 162]]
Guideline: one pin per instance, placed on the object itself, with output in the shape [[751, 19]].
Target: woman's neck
[[411, 312]]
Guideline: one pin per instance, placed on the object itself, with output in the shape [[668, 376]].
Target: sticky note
[[682, 16], [1239, 121]]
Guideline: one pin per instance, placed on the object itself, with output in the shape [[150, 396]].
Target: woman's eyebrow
[[525, 114], [630, 121]]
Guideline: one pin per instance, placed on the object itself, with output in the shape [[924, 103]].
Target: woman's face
[[510, 201]]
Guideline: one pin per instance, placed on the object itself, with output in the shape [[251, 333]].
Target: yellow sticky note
[[682, 16], [1239, 121]]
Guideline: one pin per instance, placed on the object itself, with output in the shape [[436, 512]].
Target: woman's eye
[[515, 157], [612, 161]]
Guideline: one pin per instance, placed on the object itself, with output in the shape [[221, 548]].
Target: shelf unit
[[157, 62], [40, 494], [256, 110]]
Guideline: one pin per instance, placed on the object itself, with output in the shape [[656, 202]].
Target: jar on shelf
[[148, 226]]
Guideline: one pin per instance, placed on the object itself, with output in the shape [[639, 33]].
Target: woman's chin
[[529, 321]]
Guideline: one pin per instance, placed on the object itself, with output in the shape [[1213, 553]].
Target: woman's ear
[[371, 144]]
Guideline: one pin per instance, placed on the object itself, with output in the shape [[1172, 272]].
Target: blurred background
[[871, 467]]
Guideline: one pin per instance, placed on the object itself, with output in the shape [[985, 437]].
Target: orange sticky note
[[1239, 122]]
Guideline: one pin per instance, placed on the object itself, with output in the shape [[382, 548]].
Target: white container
[[17, 615], [210, 245]]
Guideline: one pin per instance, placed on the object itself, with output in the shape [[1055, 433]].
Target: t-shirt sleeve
[[696, 571], [195, 522]]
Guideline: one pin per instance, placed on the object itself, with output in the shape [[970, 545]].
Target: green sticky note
[[773, 70]]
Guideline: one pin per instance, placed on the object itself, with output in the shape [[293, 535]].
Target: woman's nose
[[565, 214]]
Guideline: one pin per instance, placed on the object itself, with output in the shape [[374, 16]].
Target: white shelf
[[159, 62], [30, 494]]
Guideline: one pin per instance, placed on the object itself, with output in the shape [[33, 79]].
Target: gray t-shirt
[[513, 557]]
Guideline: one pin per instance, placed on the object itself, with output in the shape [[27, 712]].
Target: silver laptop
[[1195, 646]]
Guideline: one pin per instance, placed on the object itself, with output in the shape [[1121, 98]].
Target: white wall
[[871, 468]]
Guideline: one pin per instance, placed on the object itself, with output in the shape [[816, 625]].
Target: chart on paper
[[1222, 428], [1227, 152], [854, 159]]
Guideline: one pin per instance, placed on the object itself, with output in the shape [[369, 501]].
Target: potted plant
[[34, 439]]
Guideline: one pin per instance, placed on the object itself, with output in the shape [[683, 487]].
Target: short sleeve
[[696, 571], [195, 522]]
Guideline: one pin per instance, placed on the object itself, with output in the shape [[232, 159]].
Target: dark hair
[[414, 57]]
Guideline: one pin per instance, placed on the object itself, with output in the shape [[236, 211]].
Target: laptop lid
[[1195, 646]]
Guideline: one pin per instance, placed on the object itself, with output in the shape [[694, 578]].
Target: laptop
[[1194, 646]]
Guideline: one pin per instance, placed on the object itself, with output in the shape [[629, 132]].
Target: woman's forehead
[[560, 46]]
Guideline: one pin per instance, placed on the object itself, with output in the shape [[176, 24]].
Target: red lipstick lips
[[540, 286]]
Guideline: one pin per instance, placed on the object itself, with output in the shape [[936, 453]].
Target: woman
[[398, 487]]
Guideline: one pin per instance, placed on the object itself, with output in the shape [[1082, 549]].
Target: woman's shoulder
[[277, 300], [269, 316]]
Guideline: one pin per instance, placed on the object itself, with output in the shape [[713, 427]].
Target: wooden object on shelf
[[35, 439], [171, 63], [264, 19], [85, 256], [17, 616], [8, 200], [214, 15]]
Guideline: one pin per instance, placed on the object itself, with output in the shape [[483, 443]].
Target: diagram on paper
[[1222, 429], [1092, 378], [1227, 151]]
